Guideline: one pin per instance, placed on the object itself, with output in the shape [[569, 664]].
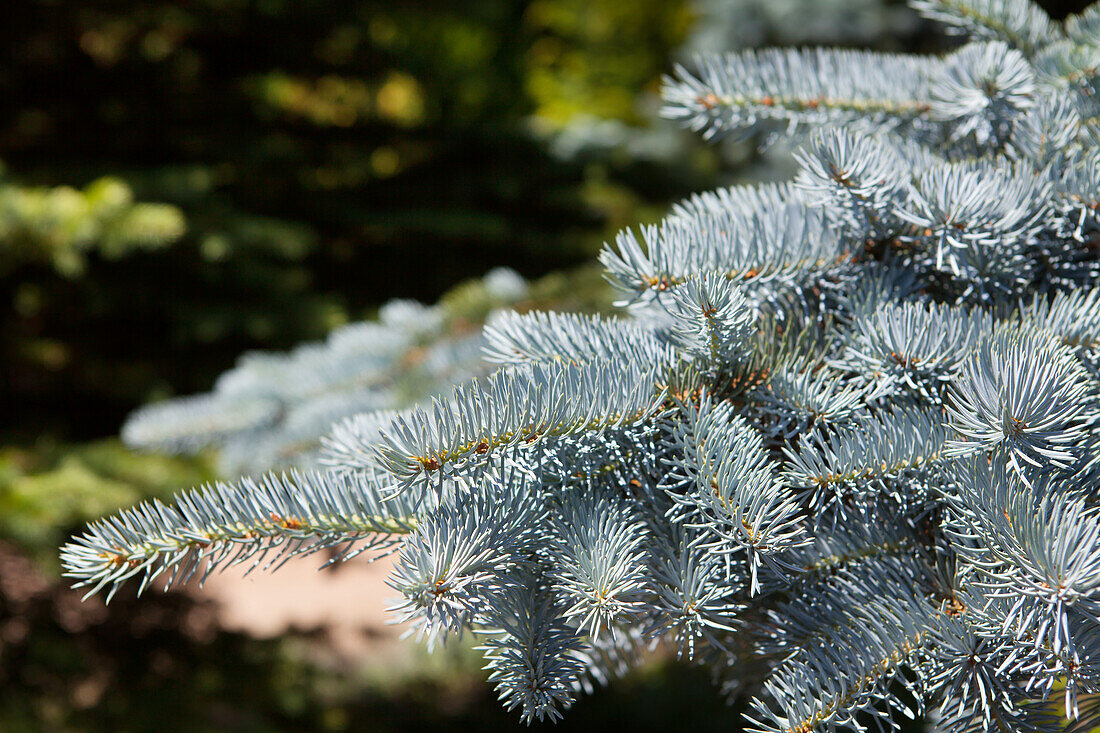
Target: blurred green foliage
[[61, 224], [313, 152], [593, 57], [50, 488]]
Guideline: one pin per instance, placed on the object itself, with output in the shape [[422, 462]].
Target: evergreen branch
[[611, 459], [264, 385], [776, 244], [1032, 665], [846, 447], [857, 179], [524, 404], [190, 424], [1028, 543], [696, 594], [1020, 23], [814, 86], [914, 346], [1072, 317], [975, 219], [797, 396], [886, 446], [963, 669], [1084, 28], [734, 496], [845, 666], [511, 338], [224, 524], [743, 200], [1072, 66], [295, 438], [1022, 395], [712, 321], [847, 536], [1077, 196], [1048, 133], [349, 446], [815, 608], [598, 562], [533, 660], [453, 569], [981, 90]]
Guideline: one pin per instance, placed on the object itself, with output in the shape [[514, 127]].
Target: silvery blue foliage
[[981, 90], [856, 179], [842, 445], [711, 320], [599, 562], [1017, 23], [447, 570], [271, 409]]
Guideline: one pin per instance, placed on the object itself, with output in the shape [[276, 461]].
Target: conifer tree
[[841, 446]]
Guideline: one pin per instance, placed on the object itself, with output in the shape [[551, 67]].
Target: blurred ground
[[347, 601]]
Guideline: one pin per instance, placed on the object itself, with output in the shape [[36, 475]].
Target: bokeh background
[[185, 180]]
